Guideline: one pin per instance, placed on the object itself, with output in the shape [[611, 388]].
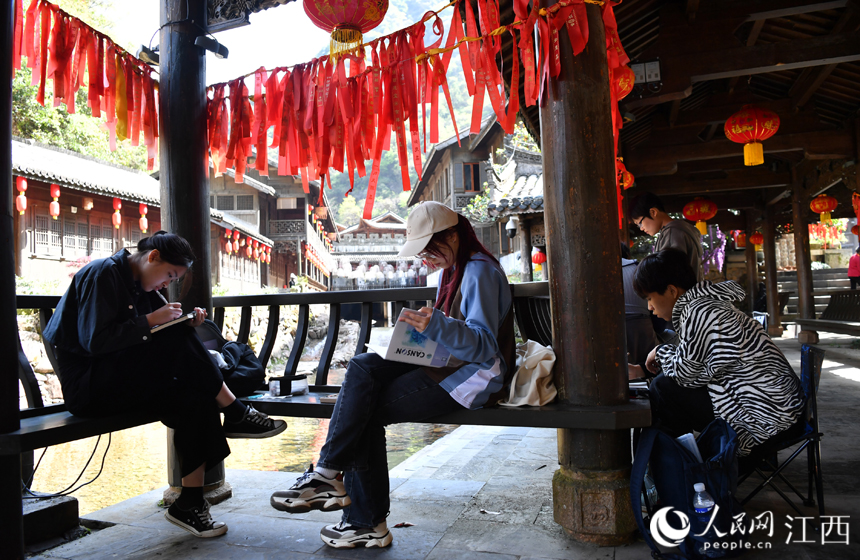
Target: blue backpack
[[675, 470]]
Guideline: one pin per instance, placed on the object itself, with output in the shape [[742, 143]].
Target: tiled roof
[[65, 168], [516, 194], [87, 174]]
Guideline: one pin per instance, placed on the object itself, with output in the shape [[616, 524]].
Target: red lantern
[[856, 230], [625, 79], [698, 211], [749, 127], [855, 202], [539, 257], [624, 177], [236, 235], [346, 20], [228, 247], [757, 239], [21, 199], [823, 204], [117, 219], [248, 251], [143, 222], [228, 233], [54, 207]]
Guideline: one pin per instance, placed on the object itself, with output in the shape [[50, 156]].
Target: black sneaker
[[344, 535], [312, 491], [197, 520], [254, 425]]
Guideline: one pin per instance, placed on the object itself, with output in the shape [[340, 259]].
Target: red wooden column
[[11, 512], [591, 489]]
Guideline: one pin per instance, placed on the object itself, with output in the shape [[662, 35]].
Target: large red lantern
[[143, 222], [624, 177], [21, 199], [346, 20], [749, 127], [116, 218], [54, 206], [823, 204], [539, 257], [625, 79], [700, 210], [856, 230]]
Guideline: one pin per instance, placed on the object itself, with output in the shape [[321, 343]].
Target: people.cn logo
[[663, 533]]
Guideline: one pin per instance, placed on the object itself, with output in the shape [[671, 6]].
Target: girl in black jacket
[[111, 362]]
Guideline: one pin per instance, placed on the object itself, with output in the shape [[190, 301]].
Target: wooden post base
[[807, 337], [594, 506], [775, 332]]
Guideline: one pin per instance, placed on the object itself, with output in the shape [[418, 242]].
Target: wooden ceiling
[[799, 58]]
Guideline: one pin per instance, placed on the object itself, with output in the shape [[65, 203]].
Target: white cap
[[699, 487], [428, 218]]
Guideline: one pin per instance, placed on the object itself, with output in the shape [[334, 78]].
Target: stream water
[[137, 460]]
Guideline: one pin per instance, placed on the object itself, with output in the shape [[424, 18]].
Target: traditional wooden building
[[52, 248]]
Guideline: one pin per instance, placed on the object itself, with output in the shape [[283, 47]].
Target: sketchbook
[[402, 343], [180, 319]]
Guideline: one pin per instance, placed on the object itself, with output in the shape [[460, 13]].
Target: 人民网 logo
[[666, 535]]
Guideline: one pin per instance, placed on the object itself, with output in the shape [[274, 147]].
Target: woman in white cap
[[472, 319]]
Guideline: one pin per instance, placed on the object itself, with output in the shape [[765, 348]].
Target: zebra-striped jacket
[[751, 384]]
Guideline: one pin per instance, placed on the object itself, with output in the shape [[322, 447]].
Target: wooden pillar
[[774, 327], [184, 186], [803, 258], [525, 233], [590, 490], [752, 268], [182, 115], [11, 512]]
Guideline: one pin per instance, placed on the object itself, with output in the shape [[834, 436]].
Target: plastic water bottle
[[703, 506]]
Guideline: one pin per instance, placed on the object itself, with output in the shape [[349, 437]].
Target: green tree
[[348, 213]]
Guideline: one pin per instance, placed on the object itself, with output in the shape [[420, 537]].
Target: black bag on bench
[[245, 373]]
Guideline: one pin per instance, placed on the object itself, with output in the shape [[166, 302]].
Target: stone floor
[[485, 494]]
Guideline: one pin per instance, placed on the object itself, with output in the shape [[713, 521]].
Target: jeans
[[375, 393]]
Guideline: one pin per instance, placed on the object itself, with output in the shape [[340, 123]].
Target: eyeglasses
[[639, 223]]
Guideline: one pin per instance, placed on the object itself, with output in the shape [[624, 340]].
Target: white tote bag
[[532, 383]]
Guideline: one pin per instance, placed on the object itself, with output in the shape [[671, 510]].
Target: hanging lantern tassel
[[54, 207], [344, 40], [143, 222]]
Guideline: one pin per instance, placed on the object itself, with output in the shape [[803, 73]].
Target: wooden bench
[[842, 314], [43, 426]]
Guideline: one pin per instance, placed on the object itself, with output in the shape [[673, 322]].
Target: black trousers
[[854, 281], [172, 376], [679, 410]]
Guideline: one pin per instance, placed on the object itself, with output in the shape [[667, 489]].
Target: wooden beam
[[759, 177], [681, 67], [719, 114], [692, 6], [763, 9], [648, 160], [811, 79], [819, 178]]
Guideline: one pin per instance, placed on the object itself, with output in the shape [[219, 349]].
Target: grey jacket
[[681, 235]]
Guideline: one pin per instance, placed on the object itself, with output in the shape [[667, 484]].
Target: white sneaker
[[312, 491], [344, 535]]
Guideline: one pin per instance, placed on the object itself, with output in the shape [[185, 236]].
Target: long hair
[[451, 277]]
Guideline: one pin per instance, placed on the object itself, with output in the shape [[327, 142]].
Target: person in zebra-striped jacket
[[724, 365]]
